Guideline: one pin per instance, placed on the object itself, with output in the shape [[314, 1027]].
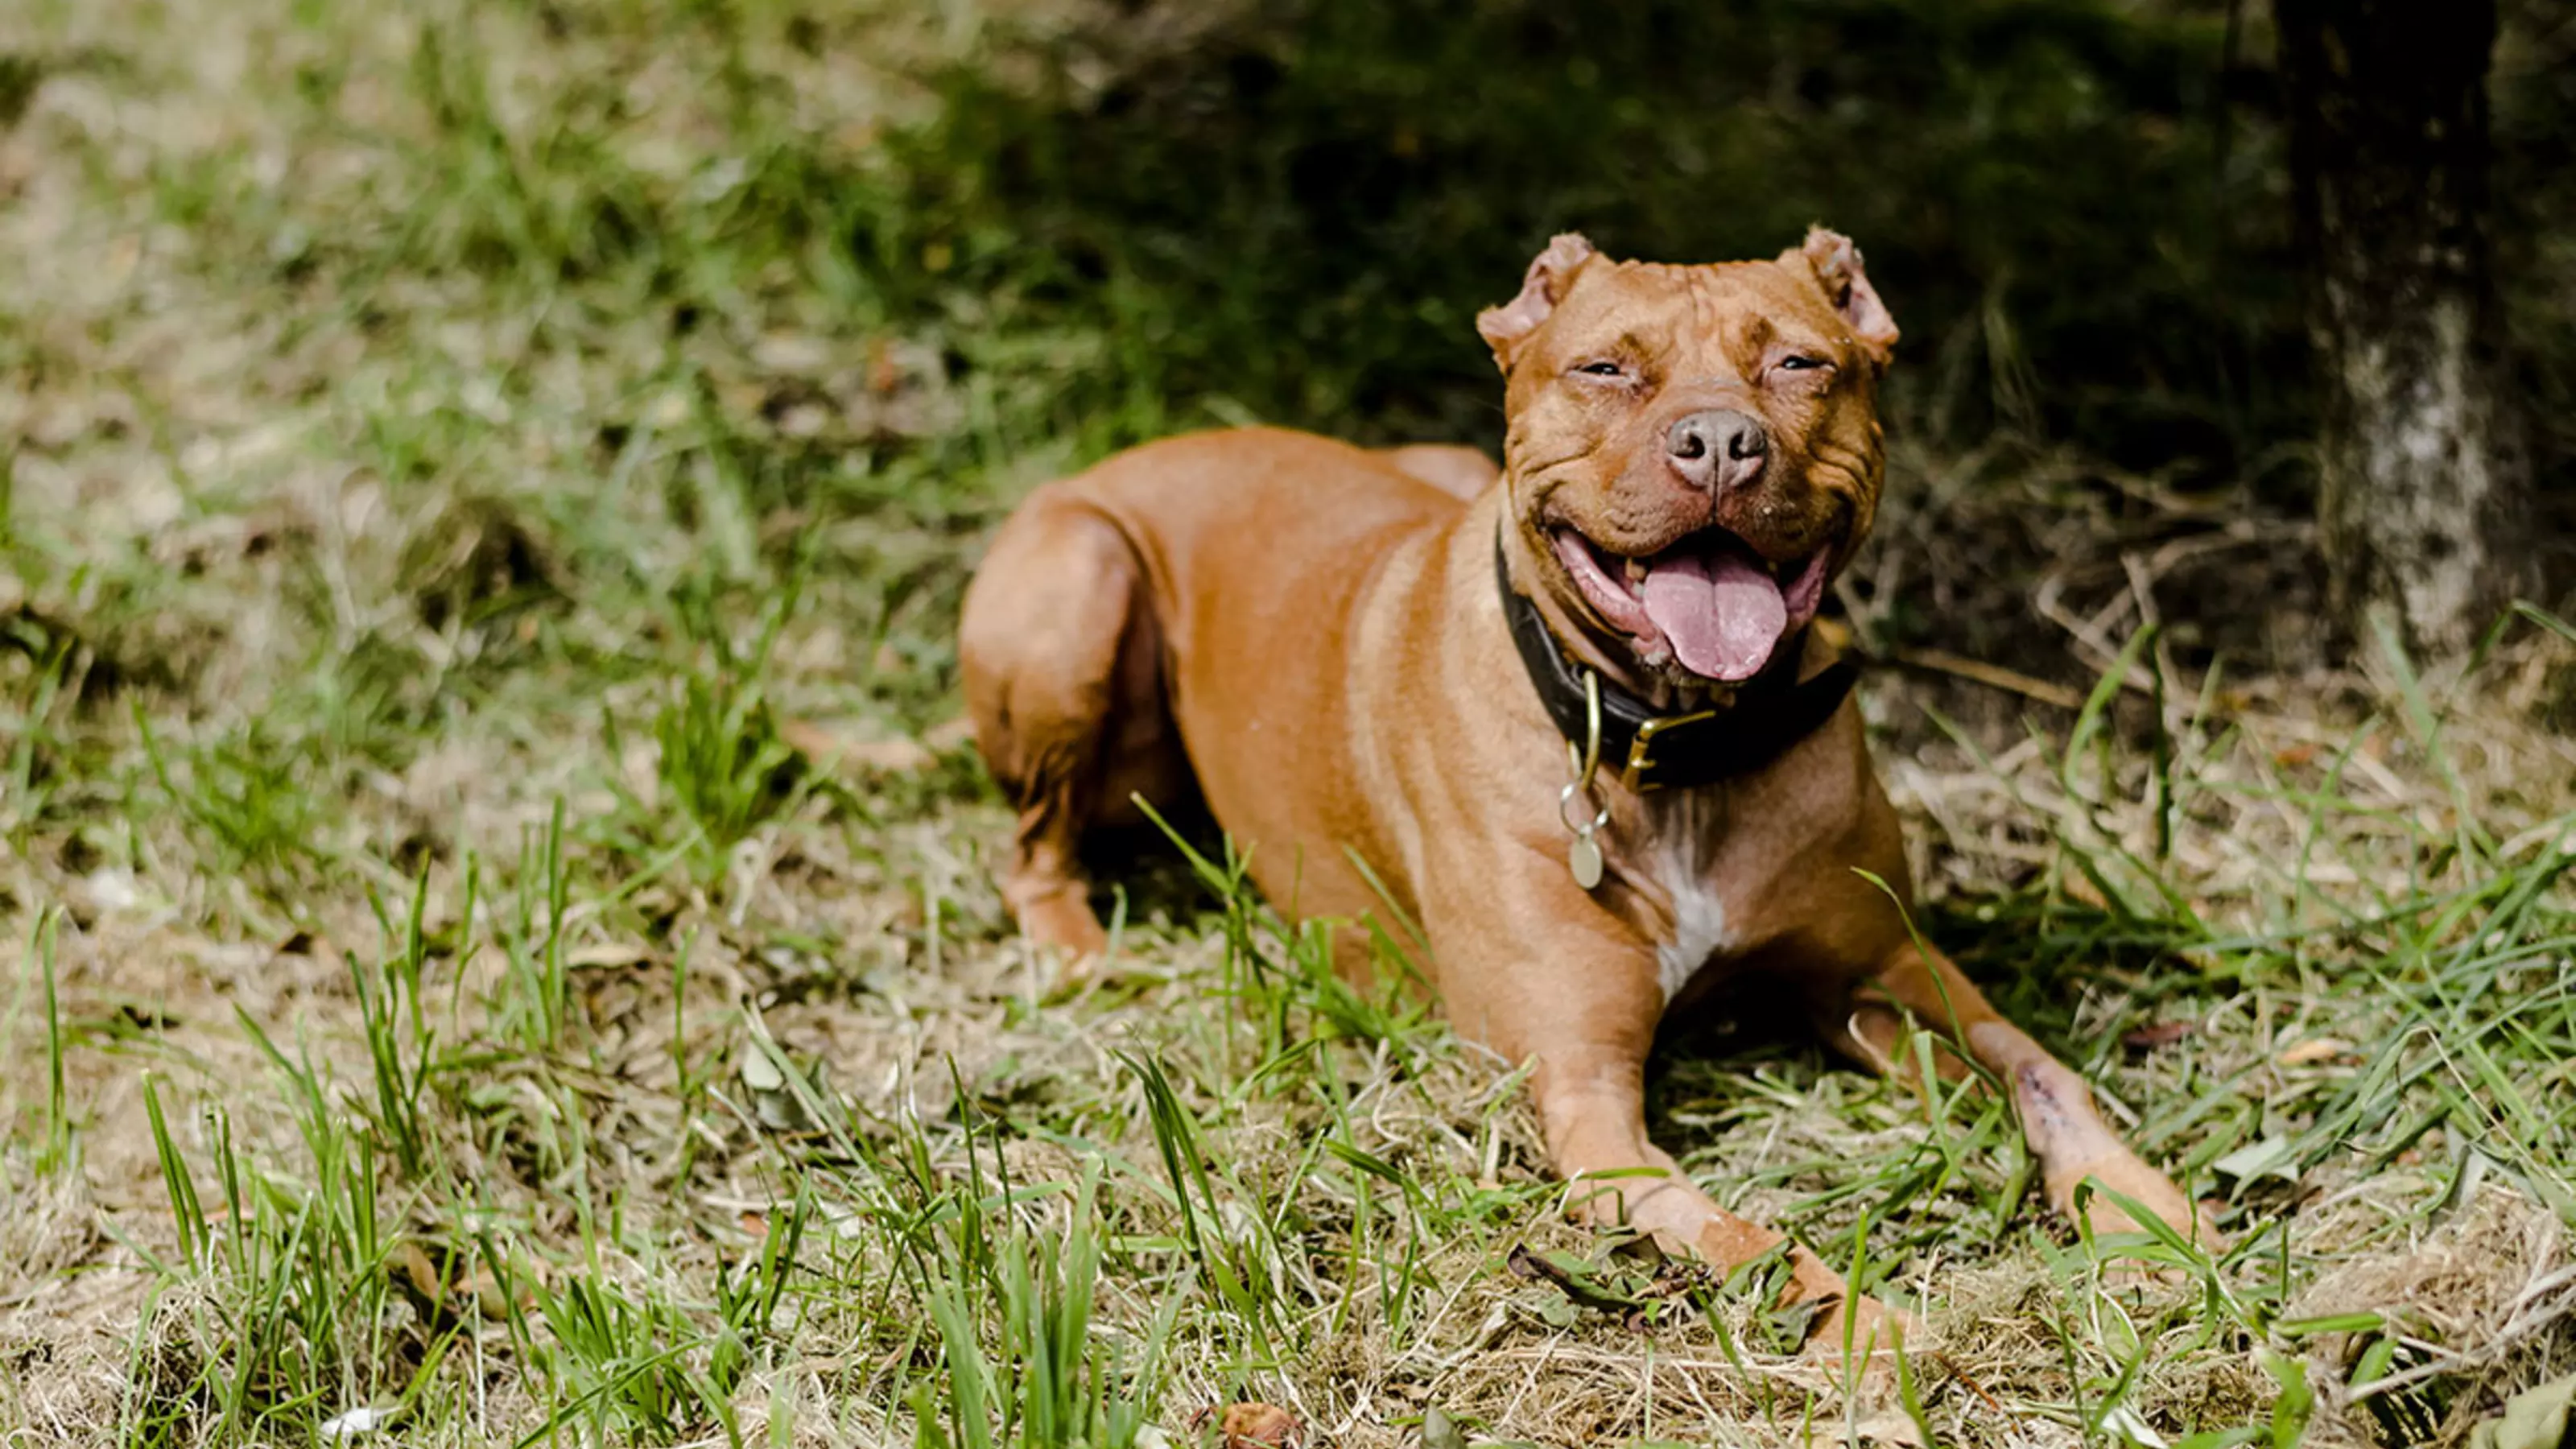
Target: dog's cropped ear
[[1836, 263], [1504, 328]]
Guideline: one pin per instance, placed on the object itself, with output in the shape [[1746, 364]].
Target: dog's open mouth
[[1709, 602]]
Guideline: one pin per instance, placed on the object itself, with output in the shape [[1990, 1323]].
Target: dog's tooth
[[1636, 571]]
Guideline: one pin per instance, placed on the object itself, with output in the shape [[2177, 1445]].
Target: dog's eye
[[1800, 362], [1599, 369]]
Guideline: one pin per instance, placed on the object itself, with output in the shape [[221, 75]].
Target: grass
[[450, 445]]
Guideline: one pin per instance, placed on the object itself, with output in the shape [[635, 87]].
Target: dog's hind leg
[[1061, 657]]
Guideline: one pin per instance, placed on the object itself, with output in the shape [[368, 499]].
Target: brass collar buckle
[[1639, 761]]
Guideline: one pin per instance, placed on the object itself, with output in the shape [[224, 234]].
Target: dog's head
[[1693, 451]]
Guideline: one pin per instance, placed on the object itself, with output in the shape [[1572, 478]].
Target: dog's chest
[[1685, 836]]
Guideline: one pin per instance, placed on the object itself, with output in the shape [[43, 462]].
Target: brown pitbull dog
[[1573, 718]]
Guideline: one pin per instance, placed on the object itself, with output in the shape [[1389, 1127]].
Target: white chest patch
[[1687, 832], [1699, 932]]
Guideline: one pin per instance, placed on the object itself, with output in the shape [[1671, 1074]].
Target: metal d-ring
[[1580, 826]]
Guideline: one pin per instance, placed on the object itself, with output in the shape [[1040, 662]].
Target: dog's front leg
[[1591, 1106], [2065, 1131], [1583, 1011]]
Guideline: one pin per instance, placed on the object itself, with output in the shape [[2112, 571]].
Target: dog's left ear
[[1550, 276], [1836, 263]]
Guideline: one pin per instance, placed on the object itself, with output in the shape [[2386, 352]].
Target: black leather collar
[[1772, 711]]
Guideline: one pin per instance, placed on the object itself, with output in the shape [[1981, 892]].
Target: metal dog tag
[[1584, 859], [1584, 856]]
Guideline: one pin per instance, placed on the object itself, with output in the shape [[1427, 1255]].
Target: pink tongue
[[1723, 615]]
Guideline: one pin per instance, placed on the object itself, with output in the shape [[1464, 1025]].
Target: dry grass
[[446, 453]]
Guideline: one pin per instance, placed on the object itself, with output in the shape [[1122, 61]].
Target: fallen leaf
[[2316, 1049], [774, 1100], [356, 1422], [2157, 1034], [1438, 1432], [422, 1275], [1551, 1306], [608, 953], [491, 1301], [441, 1296], [2271, 1157], [2536, 1418], [761, 1074], [1253, 1425]]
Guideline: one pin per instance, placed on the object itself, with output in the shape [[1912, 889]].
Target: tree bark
[[2424, 510]]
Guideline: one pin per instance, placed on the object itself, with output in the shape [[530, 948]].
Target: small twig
[[1993, 676], [1961, 1375]]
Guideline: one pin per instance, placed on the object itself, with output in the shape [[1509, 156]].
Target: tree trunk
[[2425, 506]]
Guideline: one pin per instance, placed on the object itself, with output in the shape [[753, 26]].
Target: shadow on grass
[[1295, 213], [2035, 962]]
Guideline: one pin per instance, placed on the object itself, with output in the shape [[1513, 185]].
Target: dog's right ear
[[1836, 263], [1504, 328]]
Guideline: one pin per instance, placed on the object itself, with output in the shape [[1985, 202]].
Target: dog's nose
[[1718, 449]]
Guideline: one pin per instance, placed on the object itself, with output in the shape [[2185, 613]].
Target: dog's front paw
[[2125, 1174], [2074, 1145], [1859, 1339]]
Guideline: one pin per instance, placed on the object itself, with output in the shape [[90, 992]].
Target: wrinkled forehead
[[1725, 305]]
